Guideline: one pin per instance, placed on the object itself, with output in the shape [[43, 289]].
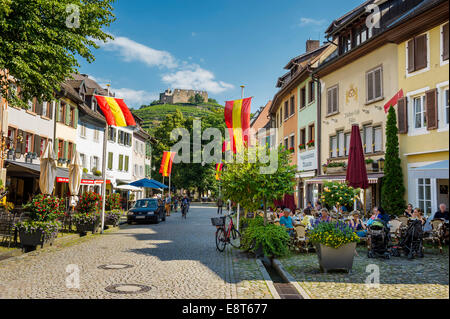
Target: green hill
[[155, 114]]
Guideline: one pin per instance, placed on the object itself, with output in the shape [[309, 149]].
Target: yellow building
[[359, 80], [423, 74]]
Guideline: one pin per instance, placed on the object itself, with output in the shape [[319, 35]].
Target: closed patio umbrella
[[75, 175], [48, 171], [356, 170]]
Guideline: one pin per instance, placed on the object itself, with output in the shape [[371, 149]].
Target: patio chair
[[404, 220], [7, 228], [436, 234], [300, 238], [395, 229]]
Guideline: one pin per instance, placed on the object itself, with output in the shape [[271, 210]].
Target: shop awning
[[438, 170], [20, 169], [129, 188], [373, 178]]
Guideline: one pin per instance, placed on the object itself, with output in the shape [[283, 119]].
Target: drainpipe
[[319, 122]]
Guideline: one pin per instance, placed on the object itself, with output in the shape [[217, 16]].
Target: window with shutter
[[341, 144], [127, 161], [374, 85], [420, 52], [329, 102], [378, 139], [370, 86], [368, 139], [120, 162], [50, 109], [445, 42], [286, 110], [335, 100], [312, 92], [347, 144], [431, 109], [332, 104], [110, 160], [419, 112], [333, 146], [402, 116], [37, 145], [292, 105]]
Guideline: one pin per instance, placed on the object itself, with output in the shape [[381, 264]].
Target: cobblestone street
[[399, 278], [175, 259]]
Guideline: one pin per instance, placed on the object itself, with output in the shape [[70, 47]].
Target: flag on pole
[[166, 164], [393, 101], [219, 168], [226, 147], [115, 110], [237, 119]]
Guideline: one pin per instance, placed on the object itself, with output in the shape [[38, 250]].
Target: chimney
[[312, 45]]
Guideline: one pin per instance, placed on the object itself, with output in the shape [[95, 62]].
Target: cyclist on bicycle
[[185, 205]]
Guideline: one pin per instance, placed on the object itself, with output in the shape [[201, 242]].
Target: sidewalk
[[399, 278]]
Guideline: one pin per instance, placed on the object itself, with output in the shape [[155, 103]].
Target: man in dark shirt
[[442, 213], [219, 206]]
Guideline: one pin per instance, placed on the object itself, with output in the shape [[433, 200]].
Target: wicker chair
[[7, 228], [300, 238], [395, 229], [437, 233]]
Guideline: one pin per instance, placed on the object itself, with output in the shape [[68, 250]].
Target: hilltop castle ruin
[[180, 96]]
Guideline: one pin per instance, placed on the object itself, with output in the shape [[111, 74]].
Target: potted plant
[[369, 164], [42, 225], [302, 147], [291, 150], [311, 143], [112, 217], [335, 244], [336, 168], [88, 217], [337, 194]]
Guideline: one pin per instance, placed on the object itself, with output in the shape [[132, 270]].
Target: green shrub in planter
[[112, 202], [89, 202], [272, 238], [332, 234], [86, 222], [33, 233], [112, 217]]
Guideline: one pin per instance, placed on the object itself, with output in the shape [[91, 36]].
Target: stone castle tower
[[180, 96]]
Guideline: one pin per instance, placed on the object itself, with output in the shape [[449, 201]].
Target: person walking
[[184, 206], [168, 205], [219, 206]]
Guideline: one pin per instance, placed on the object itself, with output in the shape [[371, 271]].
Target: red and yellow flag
[[219, 168], [116, 112], [166, 163], [237, 119]]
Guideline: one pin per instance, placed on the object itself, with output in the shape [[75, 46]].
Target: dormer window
[[94, 104]]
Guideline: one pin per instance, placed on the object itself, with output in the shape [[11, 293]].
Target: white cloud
[[133, 51], [135, 98], [193, 34], [311, 22], [195, 78]]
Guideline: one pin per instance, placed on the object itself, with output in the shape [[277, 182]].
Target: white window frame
[[408, 75], [442, 62], [430, 200], [337, 100], [412, 131], [380, 127], [96, 135], [290, 139], [441, 102], [83, 131]]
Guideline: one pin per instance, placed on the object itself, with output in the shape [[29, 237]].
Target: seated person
[[442, 213], [308, 220], [286, 221], [409, 211], [357, 225], [375, 215], [324, 217], [418, 215]]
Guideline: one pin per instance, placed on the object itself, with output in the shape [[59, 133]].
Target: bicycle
[[226, 235], [184, 210]]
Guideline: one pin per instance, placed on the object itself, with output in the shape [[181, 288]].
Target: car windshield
[[146, 203]]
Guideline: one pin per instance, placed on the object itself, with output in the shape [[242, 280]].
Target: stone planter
[[336, 259], [30, 241], [83, 228], [336, 170]]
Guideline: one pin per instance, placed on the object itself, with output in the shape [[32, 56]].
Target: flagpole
[[105, 141], [238, 205]]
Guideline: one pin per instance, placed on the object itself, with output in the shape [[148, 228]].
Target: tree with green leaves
[[41, 39], [196, 99], [244, 183], [392, 190]]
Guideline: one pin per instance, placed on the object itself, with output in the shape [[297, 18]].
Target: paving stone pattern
[[420, 278], [175, 259]]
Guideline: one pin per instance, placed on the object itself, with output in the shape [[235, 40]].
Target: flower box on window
[[291, 150], [302, 147], [311, 143]]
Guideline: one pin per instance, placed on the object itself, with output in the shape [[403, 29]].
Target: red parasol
[[356, 170]]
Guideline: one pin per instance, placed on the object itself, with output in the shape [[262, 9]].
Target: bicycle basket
[[218, 221]]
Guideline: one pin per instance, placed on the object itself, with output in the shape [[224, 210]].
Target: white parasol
[[75, 176], [48, 171]]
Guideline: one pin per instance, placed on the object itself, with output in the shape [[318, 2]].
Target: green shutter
[[55, 147], [110, 161], [120, 162], [58, 106], [74, 148], [75, 124], [67, 122], [127, 159]]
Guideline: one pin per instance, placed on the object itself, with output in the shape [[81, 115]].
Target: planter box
[[82, 229], [336, 170], [31, 240], [336, 259]]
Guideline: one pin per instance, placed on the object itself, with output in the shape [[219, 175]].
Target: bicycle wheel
[[235, 238], [220, 239]]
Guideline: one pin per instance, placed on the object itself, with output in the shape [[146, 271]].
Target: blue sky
[[212, 45]]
